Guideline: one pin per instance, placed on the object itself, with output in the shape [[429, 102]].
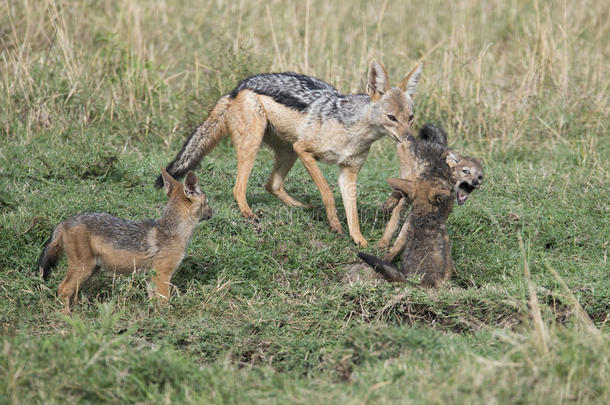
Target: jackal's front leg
[[316, 174], [347, 183], [392, 225], [399, 244], [165, 268]]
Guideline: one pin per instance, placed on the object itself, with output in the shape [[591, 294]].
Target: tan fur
[[88, 246]]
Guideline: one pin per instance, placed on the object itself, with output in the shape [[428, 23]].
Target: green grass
[[96, 97]]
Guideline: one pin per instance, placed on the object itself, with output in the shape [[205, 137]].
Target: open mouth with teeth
[[463, 192]]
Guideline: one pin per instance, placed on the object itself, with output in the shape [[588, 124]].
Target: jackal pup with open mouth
[[91, 240], [428, 156]]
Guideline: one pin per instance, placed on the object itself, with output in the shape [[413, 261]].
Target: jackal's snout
[[206, 213], [407, 135]]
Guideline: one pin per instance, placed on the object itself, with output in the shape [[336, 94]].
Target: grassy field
[[96, 96]]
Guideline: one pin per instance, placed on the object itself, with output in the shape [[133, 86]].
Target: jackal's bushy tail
[[200, 143], [389, 272], [53, 248]]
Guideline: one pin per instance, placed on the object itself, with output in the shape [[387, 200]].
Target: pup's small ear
[[191, 185], [378, 82], [411, 80], [452, 159], [169, 183], [404, 186]]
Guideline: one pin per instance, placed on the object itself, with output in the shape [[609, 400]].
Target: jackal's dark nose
[[207, 214], [475, 182]]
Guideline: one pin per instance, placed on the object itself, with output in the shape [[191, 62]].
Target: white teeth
[[461, 198]]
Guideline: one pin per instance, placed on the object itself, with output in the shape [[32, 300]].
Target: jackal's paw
[[382, 244], [252, 217], [359, 240], [305, 206], [298, 204], [336, 227]]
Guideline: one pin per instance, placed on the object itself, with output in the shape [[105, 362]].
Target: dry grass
[[506, 72]]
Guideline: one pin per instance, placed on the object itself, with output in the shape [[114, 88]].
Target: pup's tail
[[434, 134], [200, 143], [389, 272], [51, 253]]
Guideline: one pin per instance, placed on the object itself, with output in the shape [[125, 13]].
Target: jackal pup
[[303, 117], [92, 240], [427, 249], [429, 156]]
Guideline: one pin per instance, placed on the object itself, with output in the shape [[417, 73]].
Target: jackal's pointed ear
[[452, 159], [406, 187], [378, 82], [409, 83], [191, 185], [169, 183]]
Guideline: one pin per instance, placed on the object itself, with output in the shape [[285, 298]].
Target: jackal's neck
[[424, 222], [176, 224], [352, 108], [360, 114]]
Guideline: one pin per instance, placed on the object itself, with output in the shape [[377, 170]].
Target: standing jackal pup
[[427, 249], [91, 240], [302, 117]]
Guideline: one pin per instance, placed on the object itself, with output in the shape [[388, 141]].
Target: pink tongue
[[461, 197]]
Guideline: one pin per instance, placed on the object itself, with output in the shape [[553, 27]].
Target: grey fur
[[120, 233], [307, 94]]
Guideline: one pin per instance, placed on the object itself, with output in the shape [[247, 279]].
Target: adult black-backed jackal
[[302, 117]]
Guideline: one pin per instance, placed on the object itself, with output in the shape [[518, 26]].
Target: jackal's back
[[118, 232], [291, 89]]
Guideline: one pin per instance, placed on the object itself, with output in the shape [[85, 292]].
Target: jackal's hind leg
[[247, 127], [316, 174], [284, 160], [245, 162], [78, 272], [161, 288]]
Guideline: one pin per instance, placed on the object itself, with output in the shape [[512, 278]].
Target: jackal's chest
[[342, 157], [426, 250], [342, 145], [122, 257]]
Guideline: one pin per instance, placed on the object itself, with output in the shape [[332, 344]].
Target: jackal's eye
[[392, 118], [411, 118], [466, 171], [480, 177]]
